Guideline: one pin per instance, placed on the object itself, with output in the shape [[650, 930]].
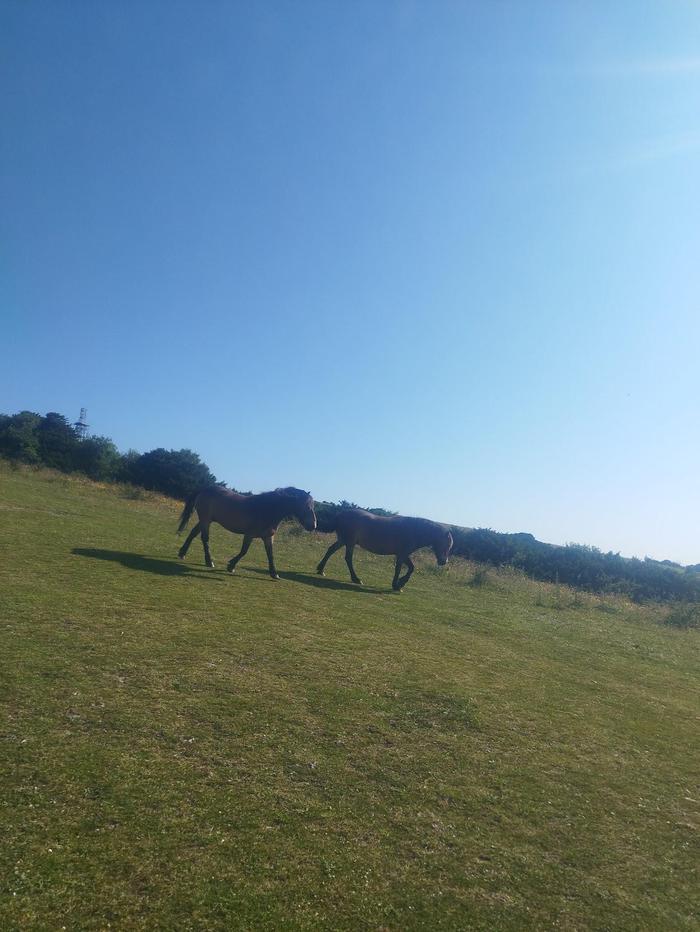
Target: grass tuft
[[685, 616], [479, 578]]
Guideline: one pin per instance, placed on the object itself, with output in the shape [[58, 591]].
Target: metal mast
[[81, 425]]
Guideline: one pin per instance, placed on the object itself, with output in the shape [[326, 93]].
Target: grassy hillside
[[183, 749]]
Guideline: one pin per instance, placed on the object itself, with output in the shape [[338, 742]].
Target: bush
[[684, 616], [178, 473], [19, 440], [58, 442], [578, 565], [53, 441], [479, 578], [98, 458]]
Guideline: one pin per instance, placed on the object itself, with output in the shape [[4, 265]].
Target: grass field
[[183, 749]]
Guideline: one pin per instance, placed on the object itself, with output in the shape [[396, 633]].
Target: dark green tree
[[178, 473], [19, 436], [98, 458], [126, 466], [58, 442]]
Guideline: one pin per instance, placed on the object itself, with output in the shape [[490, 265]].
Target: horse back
[[377, 533], [225, 507]]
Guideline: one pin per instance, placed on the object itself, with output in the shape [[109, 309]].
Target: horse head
[[442, 545], [306, 513], [302, 507]]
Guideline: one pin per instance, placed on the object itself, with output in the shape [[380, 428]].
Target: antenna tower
[[81, 425]]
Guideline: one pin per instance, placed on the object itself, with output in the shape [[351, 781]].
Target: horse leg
[[244, 550], [404, 579], [205, 543], [397, 569], [190, 537], [270, 556], [348, 559], [329, 553]]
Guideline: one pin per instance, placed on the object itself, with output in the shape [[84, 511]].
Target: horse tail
[[187, 512]]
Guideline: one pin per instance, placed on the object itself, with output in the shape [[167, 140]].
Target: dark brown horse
[[250, 515], [393, 535]]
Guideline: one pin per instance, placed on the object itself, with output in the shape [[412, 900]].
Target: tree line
[[51, 440]]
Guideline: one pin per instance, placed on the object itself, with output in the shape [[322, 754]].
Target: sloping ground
[[182, 749]]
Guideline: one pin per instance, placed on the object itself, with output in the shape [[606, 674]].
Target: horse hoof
[[358, 582], [231, 569], [320, 572], [276, 576], [211, 566]]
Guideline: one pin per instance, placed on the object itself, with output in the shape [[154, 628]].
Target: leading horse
[[250, 515], [387, 535]]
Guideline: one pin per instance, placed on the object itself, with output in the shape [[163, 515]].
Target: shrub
[[178, 473], [683, 615], [19, 439], [58, 442], [579, 566], [98, 458], [479, 578]]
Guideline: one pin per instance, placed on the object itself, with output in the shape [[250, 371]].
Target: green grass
[[182, 749]]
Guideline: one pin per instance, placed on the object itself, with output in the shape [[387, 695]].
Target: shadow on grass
[[135, 561], [320, 582]]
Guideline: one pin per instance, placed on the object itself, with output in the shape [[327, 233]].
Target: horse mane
[[426, 524], [283, 492], [290, 491]]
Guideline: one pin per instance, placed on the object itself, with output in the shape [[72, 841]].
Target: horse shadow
[[319, 582], [174, 567], [136, 561]]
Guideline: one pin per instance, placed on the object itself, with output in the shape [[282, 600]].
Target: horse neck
[[428, 535], [280, 508]]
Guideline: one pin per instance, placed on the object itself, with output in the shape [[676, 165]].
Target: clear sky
[[439, 257]]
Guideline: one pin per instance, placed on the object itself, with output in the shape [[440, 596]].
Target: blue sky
[[439, 257]]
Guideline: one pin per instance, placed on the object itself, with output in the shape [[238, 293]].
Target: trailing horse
[[250, 515], [394, 535]]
